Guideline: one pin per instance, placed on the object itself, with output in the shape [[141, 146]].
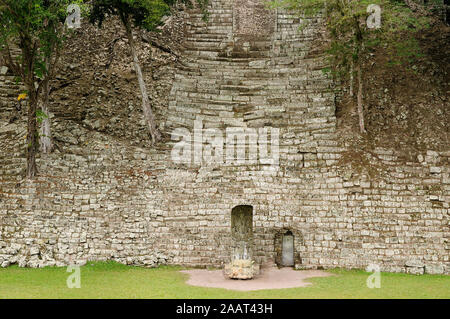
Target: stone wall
[[109, 200]]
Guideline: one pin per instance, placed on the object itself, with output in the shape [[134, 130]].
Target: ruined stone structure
[[246, 67]]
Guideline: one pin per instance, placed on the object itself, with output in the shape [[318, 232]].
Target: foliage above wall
[[38, 28], [355, 28]]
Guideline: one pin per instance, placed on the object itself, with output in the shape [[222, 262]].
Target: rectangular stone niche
[[242, 232], [286, 253]]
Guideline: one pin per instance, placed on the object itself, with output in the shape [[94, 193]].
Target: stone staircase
[[251, 81], [228, 78]]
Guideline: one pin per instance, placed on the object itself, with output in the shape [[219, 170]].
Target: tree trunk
[[149, 117], [46, 134], [32, 141], [360, 100], [351, 79]]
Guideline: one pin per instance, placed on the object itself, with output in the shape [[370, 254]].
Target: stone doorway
[[287, 250], [242, 232], [287, 243]]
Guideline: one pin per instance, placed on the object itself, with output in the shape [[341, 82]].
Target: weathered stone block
[[241, 269], [434, 269]]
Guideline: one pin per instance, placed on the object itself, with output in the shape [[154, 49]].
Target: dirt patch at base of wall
[[271, 278]]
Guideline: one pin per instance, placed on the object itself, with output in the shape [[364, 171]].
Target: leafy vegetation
[[146, 14], [354, 32], [38, 28]]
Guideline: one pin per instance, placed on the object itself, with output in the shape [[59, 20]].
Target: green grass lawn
[[112, 280]]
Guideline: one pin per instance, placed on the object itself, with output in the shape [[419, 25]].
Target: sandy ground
[[269, 278]]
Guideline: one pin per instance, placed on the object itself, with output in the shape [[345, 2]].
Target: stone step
[[202, 46], [10, 91], [204, 38], [215, 53], [222, 33], [294, 74], [219, 55]]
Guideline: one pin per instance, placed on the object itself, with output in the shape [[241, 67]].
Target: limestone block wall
[[108, 200]]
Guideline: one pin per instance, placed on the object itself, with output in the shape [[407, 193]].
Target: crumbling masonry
[[245, 67]]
